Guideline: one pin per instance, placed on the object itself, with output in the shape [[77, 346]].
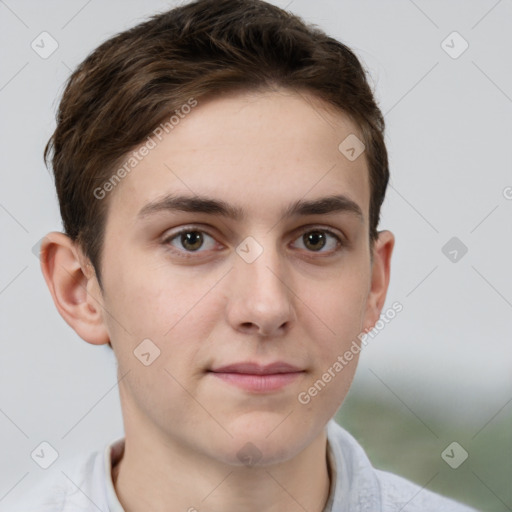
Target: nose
[[261, 299]]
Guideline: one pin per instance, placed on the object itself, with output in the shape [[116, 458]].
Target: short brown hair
[[126, 87]]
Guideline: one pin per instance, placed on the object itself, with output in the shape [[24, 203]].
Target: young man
[[220, 170]]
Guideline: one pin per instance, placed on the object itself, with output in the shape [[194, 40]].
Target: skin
[[300, 302]]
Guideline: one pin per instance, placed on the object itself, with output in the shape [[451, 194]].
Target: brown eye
[[314, 240], [191, 240], [318, 239]]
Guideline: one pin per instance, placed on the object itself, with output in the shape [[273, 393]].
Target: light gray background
[[448, 354]]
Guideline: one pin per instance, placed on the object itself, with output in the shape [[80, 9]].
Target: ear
[[382, 250], [74, 287]]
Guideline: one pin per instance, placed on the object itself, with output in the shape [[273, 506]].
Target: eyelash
[[192, 229]]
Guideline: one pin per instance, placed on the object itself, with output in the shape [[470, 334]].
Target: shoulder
[[363, 488], [71, 486], [406, 496]]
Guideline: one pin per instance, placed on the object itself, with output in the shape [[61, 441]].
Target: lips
[[257, 369], [257, 378]]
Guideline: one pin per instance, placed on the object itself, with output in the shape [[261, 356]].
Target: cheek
[[336, 349], [336, 307], [152, 299], [175, 311]]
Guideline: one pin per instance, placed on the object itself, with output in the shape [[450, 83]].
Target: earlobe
[[382, 251], [74, 287]]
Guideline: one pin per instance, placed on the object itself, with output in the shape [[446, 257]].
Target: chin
[[262, 439]]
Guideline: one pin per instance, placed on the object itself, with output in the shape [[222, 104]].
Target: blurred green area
[[396, 439]]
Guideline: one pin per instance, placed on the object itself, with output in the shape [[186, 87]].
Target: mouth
[[258, 378]]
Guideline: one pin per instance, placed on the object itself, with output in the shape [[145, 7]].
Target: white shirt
[[356, 486]]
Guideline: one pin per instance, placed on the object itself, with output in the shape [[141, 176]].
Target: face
[[249, 287]]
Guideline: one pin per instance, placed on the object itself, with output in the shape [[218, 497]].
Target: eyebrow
[[220, 208]]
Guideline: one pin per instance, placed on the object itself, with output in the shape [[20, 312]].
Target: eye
[[317, 239], [191, 240]]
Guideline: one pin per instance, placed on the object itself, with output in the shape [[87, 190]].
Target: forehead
[[255, 151]]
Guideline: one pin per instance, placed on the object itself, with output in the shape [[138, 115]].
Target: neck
[[169, 477]]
